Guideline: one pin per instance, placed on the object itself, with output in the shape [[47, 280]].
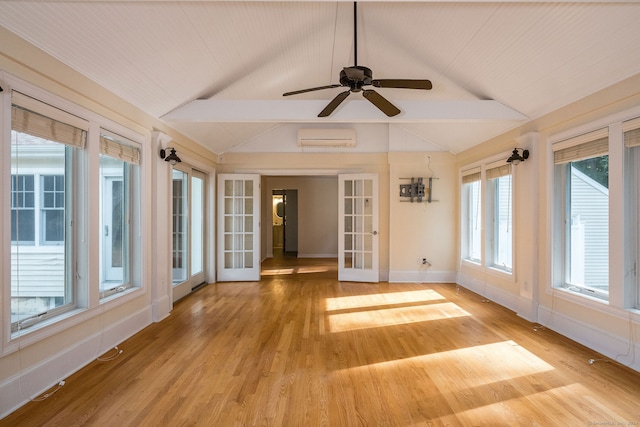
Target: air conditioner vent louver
[[326, 137]]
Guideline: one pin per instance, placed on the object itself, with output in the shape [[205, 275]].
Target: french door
[[188, 229], [238, 227], [358, 227]]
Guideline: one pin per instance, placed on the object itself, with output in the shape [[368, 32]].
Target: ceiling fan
[[356, 77]]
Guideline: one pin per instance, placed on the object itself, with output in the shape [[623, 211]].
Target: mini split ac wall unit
[[327, 137]]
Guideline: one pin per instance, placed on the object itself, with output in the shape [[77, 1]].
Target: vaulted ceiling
[[216, 70]]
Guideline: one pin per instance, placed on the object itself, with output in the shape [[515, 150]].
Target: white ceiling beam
[[356, 110]]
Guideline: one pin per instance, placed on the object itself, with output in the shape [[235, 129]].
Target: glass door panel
[[197, 223], [188, 229], [358, 222], [238, 241], [180, 229]]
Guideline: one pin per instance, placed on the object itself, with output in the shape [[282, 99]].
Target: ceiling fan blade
[[334, 103], [379, 101], [311, 89], [403, 84]]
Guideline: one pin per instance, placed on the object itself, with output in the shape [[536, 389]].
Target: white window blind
[[586, 146], [119, 150], [632, 138], [36, 118], [502, 170], [471, 175], [587, 150]]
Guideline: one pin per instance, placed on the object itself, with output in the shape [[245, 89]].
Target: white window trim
[[87, 301], [482, 166], [616, 303]]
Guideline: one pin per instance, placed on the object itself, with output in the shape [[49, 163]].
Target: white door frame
[[182, 289]]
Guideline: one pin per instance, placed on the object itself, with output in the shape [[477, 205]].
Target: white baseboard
[[36, 379], [427, 276], [162, 308], [603, 342], [600, 341], [505, 299]]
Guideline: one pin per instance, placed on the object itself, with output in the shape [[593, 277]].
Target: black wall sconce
[[172, 158], [516, 157]]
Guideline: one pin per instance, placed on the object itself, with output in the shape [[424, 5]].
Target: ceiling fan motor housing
[[356, 77]]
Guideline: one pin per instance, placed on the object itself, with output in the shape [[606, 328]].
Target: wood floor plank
[[299, 348]]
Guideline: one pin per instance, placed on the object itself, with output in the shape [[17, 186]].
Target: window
[[45, 143], [119, 161], [500, 229], [631, 130], [581, 214], [22, 209], [52, 215], [471, 217]]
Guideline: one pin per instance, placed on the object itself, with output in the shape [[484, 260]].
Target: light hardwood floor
[[300, 348]]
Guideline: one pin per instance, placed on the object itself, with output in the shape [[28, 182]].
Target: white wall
[[606, 327], [422, 230]]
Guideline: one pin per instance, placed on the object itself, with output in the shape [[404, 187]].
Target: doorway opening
[[285, 223]]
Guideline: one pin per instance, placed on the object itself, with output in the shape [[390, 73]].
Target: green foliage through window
[[596, 168]]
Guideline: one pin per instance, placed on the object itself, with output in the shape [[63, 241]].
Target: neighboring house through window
[[44, 144]]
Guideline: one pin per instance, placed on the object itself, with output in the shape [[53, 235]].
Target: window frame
[[42, 116], [87, 304], [127, 151], [486, 212], [564, 153], [492, 200], [631, 159], [471, 179], [44, 209], [14, 208]]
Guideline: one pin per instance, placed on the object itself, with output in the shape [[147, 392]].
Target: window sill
[[121, 297], [596, 304], [472, 263], [47, 328], [493, 271], [50, 327], [584, 300]]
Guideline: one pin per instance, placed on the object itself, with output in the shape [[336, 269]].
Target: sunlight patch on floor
[[307, 270], [380, 299], [551, 410], [276, 271], [376, 318], [471, 366], [297, 270]]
